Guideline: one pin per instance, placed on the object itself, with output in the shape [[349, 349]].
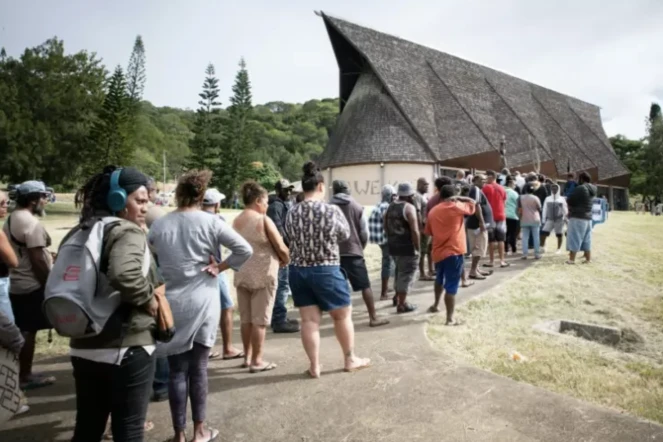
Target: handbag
[[165, 322]]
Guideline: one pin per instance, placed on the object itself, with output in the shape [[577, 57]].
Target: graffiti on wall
[[368, 187]]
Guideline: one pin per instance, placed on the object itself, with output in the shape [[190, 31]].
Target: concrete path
[[412, 393]]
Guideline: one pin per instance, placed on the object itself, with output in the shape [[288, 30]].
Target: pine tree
[[111, 132], [205, 145], [136, 77], [239, 141]]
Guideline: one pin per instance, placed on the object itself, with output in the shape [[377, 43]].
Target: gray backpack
[[78, 299]]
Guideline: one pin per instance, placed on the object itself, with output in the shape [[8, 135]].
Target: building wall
[[366, 180]]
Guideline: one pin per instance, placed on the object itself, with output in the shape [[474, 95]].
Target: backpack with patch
[[78, 300]]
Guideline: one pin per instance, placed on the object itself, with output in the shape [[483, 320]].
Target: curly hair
[[191, 188], [251, 192], [312, 177]]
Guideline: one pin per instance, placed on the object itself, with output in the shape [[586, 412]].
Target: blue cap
[[30, 187]]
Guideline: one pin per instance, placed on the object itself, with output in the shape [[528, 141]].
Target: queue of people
[[171, 265]]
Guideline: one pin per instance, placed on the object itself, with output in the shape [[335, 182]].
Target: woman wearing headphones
[[113, 370]]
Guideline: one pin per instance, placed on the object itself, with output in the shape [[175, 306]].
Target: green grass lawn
[[622, 288]]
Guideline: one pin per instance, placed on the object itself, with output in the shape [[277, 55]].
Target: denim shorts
[[579, 235], [224, 292], [324, 286], [449, 272]]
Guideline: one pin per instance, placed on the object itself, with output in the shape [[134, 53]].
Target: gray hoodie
[[354, 245]]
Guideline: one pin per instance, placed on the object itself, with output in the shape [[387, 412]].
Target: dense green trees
[[63, 116], [644, 157]]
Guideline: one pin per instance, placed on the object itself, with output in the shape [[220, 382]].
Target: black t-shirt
[[473, 222]]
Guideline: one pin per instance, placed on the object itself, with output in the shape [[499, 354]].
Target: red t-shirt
[[446, 224], [496, 196]]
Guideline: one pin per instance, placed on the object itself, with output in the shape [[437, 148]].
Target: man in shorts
[[352, 249], [496, 196], [553, 218], [579, 235], [478, 226], [212, 204], [401, 226], [446, 225], [30, 242], [421, 203]]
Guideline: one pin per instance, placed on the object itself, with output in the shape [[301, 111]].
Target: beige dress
[[256, 281]]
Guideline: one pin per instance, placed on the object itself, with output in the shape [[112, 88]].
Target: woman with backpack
[[113, 369], [185, 242]]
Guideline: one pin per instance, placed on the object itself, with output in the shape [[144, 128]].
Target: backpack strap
[[11, 235]]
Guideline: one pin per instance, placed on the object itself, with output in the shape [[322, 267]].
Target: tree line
[[644, 157], [64, 116]]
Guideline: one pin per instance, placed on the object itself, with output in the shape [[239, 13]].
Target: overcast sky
[[606, 52]]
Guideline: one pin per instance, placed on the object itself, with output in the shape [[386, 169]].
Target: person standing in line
[[570, 185], [114, 370], [8, 260], [553, 218], [496, 196], [446, 224], [212, 205], [402, 228], [376, 235], [185, 243], [277, 211], [315, 228], [579, 234], [257, 279], [30, 243], [520, 182], [352, 249], [478, 226], [529, 207], [512, 219], [420, 202]]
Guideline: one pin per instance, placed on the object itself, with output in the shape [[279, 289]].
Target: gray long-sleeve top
[[183, 243]]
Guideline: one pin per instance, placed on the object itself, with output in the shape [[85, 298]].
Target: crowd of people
[[312, 249]]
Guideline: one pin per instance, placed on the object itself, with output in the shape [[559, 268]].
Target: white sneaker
[[558, 252]]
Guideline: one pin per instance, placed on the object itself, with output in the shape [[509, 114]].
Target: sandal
[[505, 265], [267, 367], [378, 322], [235, 356], [213, 434], [406, 308], [214, 355], [467, 284], [489, 265], [38, 381], [477, 277]]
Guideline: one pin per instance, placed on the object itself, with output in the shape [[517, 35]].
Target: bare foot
[[356, 364], [433, 309], [377, 322], [384, 298]]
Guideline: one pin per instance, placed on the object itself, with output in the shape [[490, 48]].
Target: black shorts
[[355, 271], [28, 314]]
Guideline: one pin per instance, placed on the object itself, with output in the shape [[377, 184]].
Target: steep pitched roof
[[457, 108]]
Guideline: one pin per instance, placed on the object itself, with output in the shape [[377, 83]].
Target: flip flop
[[467, 284], [488, 273], [488, 265], [214, 356], [367, 364], [237, 356], [213, 434], [269, 367], [38, 381], [378, 322], [407, 308], [311, 375], [477, 277], [505, 265]]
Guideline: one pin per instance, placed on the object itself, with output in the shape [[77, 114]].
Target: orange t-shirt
[[446, 224]]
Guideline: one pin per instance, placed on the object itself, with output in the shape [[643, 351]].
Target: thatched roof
[[402, 102]]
